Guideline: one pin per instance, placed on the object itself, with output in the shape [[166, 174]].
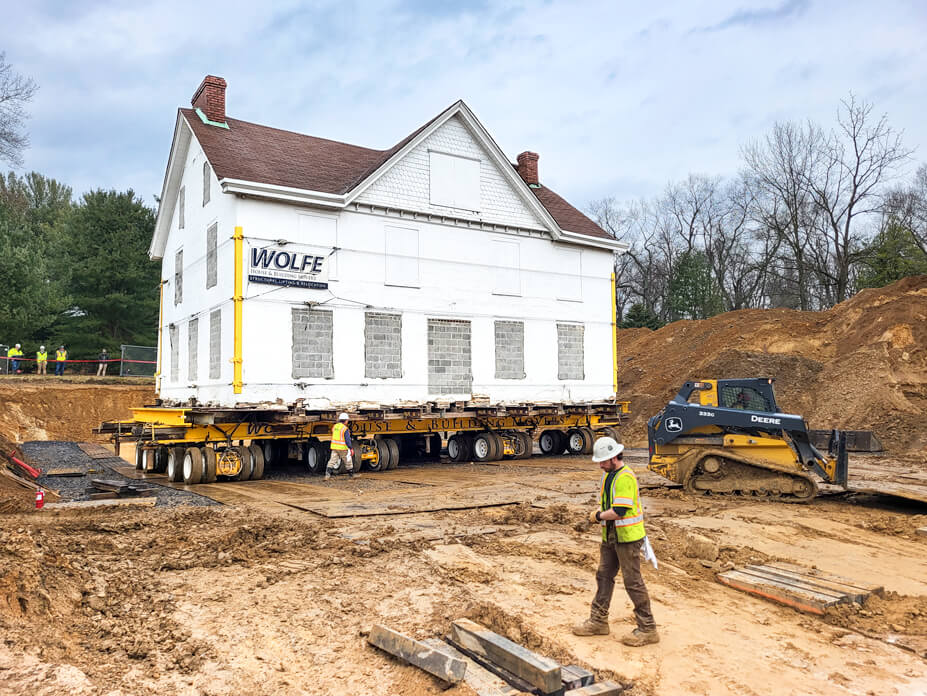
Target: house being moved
[[299, 269]]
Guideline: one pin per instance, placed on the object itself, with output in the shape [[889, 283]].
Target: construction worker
[[14, 353], [342, 450], [41, 360], [61, 357], [622, 519], [101, 366]]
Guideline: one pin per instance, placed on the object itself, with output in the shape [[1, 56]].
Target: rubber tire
[[270, 450], [484, 447], [209, 465], [312, 457], [393, 452], [257, 462], [609, 431], [245, 454], [175, 464], [161, 459], [435, 454], [383, 456], [461, 446], [139, 458], [192, 466], [576, 441], [499, 446], [590, 439], [550, 443], [527, 443]]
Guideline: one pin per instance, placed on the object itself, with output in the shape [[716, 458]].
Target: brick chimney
[[528, 167], [210, 97]]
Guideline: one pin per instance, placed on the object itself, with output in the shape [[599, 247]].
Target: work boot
[[639, 637], [328, 474], [591, 627], [353, 473]]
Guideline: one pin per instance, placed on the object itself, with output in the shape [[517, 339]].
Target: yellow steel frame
[[237, 300], [155, 419]]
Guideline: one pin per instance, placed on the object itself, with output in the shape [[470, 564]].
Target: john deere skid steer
[[727, 436]]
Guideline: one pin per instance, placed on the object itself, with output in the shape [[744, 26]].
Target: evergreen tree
[[693, 292], [640, 316], [113, 284], [892, 255]]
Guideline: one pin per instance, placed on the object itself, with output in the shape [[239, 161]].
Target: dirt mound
[[861, 365], [13, 497], [52, 410]]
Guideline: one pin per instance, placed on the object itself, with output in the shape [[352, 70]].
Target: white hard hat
[[16, 346], [343, 416], [605, 448], [41, 347]]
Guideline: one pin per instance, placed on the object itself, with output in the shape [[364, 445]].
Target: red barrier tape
[[108, 360]]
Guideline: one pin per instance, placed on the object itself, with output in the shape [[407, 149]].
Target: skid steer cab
[[727, 436]]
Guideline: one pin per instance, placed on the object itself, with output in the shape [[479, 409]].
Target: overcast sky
[[617, 98]]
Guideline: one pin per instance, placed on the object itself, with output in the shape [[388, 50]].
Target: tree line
[[814, 215], [75, 272]]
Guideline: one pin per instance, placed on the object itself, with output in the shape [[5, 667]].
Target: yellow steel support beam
[[237, 299], [614, 339]]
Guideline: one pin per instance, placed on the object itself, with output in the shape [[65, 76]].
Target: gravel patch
[[67, 455]]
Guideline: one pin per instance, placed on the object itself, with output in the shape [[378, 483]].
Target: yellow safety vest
[[338, 432], [13, 353], [623, 492], [41, 357], [61, 355]]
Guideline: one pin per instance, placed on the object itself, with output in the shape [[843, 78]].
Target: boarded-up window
[[312, 343], [178, 277], [402, 256], [211, 250], [193, 337], [570, 351], [382, 345], [449, 352], [181, 204], [510, 350], [454, 181], [215, 344], [507, 268], [175, 352], [206, 182]]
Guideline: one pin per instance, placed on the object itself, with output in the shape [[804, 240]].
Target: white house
[[436, 269]]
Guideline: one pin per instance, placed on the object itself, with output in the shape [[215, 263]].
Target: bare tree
[[15, 92], [907, 206], [850, 170]]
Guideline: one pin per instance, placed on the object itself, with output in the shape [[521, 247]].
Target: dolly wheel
[[381, 463], [209, 465], [576, 441], [458, 448], [257, 461], [245, 455], [549, 442], [192, 466], [393, 452], [483, 447], [175, 464]]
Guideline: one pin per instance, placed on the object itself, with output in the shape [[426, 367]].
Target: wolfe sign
[[306, 267]]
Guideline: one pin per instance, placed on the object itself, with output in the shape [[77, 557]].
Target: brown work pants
[[626, 557]]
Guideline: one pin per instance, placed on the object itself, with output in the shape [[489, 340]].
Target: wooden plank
[[432, 660], [477, 677], [803, 600], [575, 677], [65, 472], [606, 688], [95, 450], [797, 583], [118, 502], [535, 669], [109, 485], [819, 577], [922, 531]]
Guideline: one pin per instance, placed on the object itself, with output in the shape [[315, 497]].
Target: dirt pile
[[53, 410], [861, 365]]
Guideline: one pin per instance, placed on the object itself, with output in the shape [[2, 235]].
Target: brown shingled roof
[[261, 154]]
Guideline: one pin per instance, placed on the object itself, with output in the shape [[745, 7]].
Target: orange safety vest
[[338, 432]]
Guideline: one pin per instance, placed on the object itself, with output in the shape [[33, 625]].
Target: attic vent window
[[454, 181]]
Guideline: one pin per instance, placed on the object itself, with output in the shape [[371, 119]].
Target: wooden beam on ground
[[575, 677], [539, 671], [606, 688], [430, 659], [804, 589], [477, 677], [118, 502], [922, 531], [65, 472], [95, 450]]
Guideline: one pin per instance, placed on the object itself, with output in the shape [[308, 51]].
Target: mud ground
[[273, 600]]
